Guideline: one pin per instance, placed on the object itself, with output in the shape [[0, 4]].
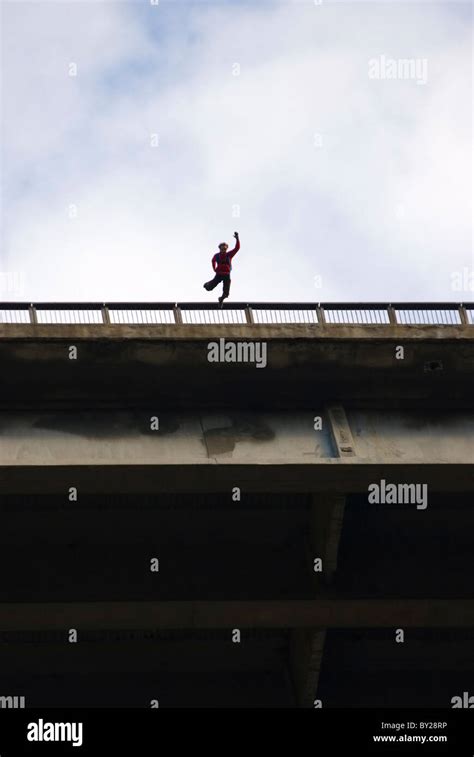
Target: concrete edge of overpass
[[30, 332]]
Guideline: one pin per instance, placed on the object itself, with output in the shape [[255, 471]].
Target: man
[[222, 266]]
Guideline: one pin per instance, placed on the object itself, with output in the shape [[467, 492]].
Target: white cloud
[[381, 210]]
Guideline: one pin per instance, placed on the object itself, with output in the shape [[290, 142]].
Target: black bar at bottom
[[144, 731]]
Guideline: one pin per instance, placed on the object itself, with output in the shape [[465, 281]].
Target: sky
[[135, 137]]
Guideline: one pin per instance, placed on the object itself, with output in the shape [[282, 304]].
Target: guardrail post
[[249, 315], [105, 315], [178, 317], [321, 316], [463, 315], [33, 315], [392, 316]]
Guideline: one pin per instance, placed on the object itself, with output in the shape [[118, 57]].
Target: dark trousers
[[225, 278]]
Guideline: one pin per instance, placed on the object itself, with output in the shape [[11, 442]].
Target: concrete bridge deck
[[147, 354], [349, 395]]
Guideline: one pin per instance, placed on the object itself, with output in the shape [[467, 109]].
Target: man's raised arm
[[237, 245]]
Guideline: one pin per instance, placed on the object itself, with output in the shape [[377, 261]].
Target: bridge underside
[[169, 367], [161, 505], [243, 567]]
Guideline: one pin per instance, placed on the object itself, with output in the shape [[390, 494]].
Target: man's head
[[223, 247]]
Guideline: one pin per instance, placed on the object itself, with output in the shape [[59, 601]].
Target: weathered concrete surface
[[188, 332], [113, 438], [143, 367], [438, 436]]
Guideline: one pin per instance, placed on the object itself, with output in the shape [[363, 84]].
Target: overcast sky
[[186, 121]]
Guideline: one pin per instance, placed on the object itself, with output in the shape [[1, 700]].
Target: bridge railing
[[268, 313]]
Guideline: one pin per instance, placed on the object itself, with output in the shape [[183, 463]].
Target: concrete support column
[[327, 515], [307, 645], [305, 657]]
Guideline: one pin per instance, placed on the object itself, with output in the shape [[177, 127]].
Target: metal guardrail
[[268, 313]]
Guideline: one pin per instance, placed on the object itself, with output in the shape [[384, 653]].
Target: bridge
[[121, 442]]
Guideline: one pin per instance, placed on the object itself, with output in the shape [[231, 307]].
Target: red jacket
[[222, 261]]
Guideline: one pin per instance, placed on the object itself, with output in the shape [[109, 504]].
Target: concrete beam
[[188, 332], [341, 431], [315, 614], [301, 370], [340, 477]]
